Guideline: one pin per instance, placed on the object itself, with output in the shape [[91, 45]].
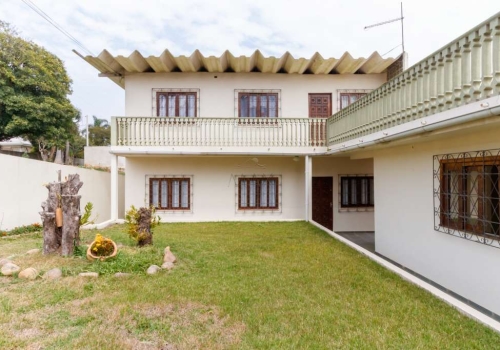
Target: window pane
[[345, 192], [164, 194], [491, 200], [175, 194], [354, 192], [185, 194], [273, 110], [182, 105], [191, 105], [473, 196], [344, 101], [162, 109], [243, 193], [154, 190], [263, 106], [253, 193], [253, 106], [171, 105], [263, 193], [272, 193], [244, 106], [353, 98], [372, 192], [364, 191]]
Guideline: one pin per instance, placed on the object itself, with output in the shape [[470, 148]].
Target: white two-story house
[[351, 144]]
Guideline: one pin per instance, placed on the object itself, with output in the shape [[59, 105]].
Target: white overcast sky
[[212, 26]]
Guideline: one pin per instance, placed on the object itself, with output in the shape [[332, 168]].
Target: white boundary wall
[[100, 156], [22, 189]]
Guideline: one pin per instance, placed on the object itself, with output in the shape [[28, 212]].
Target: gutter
[[478, 110]]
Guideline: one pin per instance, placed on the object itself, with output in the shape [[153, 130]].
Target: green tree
[[99, 132], [34, 89]]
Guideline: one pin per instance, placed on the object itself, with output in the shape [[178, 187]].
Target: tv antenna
[[391, 21]]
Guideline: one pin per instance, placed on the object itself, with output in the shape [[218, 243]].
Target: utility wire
[[45, 16]]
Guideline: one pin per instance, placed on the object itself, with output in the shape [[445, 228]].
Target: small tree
[[141, 223]]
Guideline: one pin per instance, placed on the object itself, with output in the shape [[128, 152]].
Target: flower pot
[[91, 256]]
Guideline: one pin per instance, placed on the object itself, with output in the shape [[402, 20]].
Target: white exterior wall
[[404, 220], [214, 196], [100, 156], [22, 190], [345, 220], [217, 95]]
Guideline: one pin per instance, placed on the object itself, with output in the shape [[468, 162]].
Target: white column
[[308, 188], [114, 187]]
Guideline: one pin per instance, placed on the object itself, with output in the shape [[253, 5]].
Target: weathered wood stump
[[65, 195], [144, 227]]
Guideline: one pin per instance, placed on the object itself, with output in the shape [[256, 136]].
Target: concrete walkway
[[363, 239]]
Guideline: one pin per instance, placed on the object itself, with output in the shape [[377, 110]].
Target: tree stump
[[144, 227], [62, 194]]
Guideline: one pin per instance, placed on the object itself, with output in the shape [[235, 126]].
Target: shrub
[[133, 217], [22, 229]]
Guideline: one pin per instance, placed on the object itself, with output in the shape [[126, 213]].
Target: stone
[[52, 274], [153, 269], [28, 274], [122, 274], [33, 251], [167, 265], [4, 261], [9, 269], [168, 256], [89, 274]]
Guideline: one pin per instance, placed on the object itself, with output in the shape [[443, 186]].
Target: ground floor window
[[170, 193], [466, 195], [258, 193], [356, 191]]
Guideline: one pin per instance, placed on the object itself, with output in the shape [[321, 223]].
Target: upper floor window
[[257, 105], [346, 98], [176, 104]]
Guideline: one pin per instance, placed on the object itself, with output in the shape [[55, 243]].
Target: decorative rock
[[9, 269], [168, 256], [167, 265], [4, 261], [122, 274], [28, 274], [33, 251], [52, 274], [153, 269], [89, 274]]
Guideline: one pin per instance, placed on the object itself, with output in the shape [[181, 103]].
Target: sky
[[213, 26]]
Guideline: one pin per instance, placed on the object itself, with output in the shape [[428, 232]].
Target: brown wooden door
[[322, 201], [320, 106]]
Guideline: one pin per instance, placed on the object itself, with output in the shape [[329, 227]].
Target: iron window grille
[[356, 191], [466, 195]]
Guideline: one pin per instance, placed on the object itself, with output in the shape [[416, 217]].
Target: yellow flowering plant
[[102, 246]]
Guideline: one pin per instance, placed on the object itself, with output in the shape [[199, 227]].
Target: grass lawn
[[235, 286]]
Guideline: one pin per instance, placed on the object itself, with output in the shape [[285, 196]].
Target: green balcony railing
[[465, 70]]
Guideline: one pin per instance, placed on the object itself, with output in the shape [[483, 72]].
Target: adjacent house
[[353, 144]]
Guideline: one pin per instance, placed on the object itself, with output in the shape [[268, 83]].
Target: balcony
[[218, 135], [465, 71]]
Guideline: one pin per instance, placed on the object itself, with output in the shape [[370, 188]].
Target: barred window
[[170, 193], [356, 191], [258, 193], [468, 195]]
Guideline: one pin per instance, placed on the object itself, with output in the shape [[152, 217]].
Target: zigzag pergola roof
[[115, 67]]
